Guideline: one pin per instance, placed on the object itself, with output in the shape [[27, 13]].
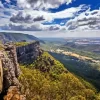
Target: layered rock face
[[10, 55], [9, 69], [27, 54]]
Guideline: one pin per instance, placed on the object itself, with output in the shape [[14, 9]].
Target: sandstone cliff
[[28, 53], [10, 55], [9, 69]]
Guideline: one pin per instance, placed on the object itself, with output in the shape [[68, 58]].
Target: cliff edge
[[10, 55], [9, 70], [28, 52]]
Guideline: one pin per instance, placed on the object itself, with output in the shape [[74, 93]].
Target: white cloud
[[4, 18], [32, 27], [28, 16], [69, 1], [88, 20], [40, 4], [31, 20]]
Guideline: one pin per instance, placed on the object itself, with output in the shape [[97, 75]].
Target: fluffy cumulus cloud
[[89, 20], [41, 4], [31, 20], [35, 15], [22, 27], [32, 27], [22, 17], [31, 16]]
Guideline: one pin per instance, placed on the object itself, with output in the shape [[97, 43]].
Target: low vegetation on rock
[[19, 44]]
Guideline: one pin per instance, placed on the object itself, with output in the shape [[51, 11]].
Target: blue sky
[[95, 4], [62, 16]]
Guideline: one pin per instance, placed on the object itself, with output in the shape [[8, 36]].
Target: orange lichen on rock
[[14, 94]]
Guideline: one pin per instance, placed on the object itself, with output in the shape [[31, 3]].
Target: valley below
[[84, 69], [82, 63], [47, 70]]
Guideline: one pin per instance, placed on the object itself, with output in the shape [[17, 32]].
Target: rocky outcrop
[[10, 55], [14, 94], [28, 53], [9, 69]]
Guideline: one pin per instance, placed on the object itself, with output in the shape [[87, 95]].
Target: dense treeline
[[47, 79], [88, 70]]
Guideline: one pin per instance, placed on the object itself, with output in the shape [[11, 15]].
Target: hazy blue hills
[[16, 37]]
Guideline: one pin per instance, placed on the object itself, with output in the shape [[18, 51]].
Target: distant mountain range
[[16, 37]]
